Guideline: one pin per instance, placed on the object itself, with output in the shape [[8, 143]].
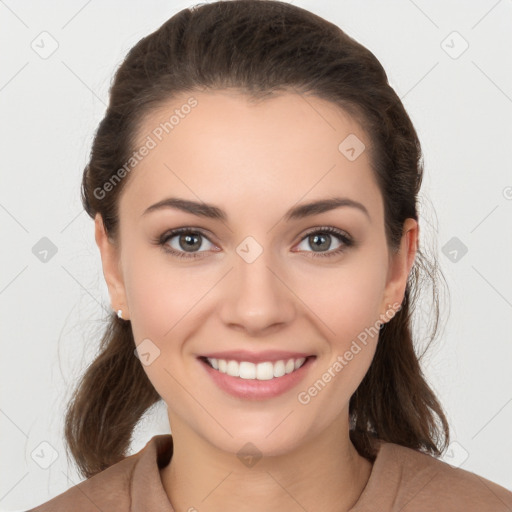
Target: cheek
[[348, 308], [160, 294], [347, 299], [167, 307], [153, 304]]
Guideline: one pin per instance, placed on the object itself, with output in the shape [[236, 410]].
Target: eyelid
[[327, 229], [171, 233], [345, 239], [189, 229]]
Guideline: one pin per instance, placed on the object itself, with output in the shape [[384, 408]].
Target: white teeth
[[260, 371], [264, 371], [245, 370], [290, 366], [279, 370]]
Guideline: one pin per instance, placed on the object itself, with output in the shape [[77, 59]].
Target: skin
[[274, 155]]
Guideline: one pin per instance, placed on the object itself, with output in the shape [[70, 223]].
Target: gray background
[[51, 311]]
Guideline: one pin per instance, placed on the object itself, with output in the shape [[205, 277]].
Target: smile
[[262, 371], [256, 380]]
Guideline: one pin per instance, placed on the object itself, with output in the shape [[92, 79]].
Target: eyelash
[[342, 237]]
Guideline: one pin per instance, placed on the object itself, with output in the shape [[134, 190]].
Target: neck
[[325, 473]]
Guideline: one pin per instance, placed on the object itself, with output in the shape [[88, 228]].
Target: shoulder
[[111, 489], [105, 491], [409, 480]]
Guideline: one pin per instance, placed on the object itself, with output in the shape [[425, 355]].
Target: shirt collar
[[146, 489]]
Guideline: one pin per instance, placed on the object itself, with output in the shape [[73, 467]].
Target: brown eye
[[321, 241], [184, 243], [190, 241]]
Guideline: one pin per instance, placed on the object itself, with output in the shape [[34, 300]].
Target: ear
[[400, 265], [111, 263]]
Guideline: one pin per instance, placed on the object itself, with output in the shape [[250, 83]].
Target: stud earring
[[120, 313]]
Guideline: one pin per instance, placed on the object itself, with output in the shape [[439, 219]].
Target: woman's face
[[252, 278]]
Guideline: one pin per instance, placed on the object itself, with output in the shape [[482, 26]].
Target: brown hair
[[260, 47]]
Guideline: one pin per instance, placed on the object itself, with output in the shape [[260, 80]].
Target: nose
[[257, 298]]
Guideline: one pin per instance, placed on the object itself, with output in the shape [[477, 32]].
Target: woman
[[253, 186]]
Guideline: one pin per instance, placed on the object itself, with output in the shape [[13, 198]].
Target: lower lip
[[257, 389]]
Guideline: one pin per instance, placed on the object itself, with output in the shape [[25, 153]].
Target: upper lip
[[256, 357]]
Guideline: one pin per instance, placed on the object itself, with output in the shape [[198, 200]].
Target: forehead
[[221, 147]]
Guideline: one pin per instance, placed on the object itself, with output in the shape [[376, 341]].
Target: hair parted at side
[[260, 47]]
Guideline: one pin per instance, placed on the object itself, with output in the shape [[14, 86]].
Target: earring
[[120, 313]]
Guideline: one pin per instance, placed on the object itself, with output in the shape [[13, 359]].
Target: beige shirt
[[402, 480]]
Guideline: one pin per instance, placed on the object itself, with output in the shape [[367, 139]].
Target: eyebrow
[[297, 212]]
